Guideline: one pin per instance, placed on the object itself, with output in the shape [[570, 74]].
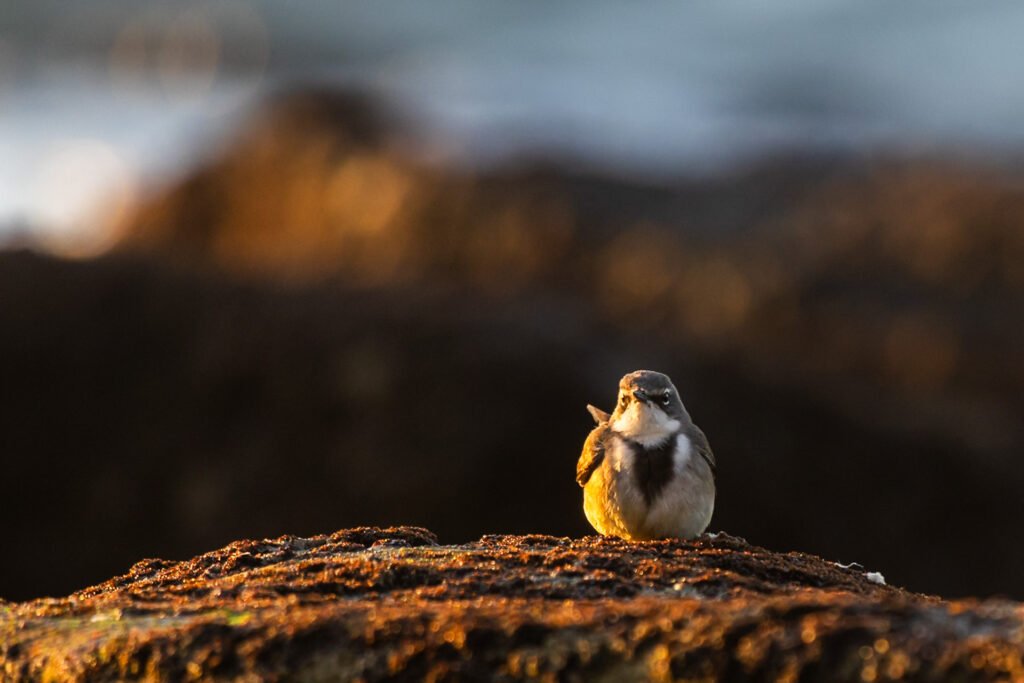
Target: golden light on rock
[[522, 238], [897, 665], [640, 266], [714, 296], [927, 235], [366, 193]]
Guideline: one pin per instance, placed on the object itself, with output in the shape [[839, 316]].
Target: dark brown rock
[[845, 330], [375, 604]]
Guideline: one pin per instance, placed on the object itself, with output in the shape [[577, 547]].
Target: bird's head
[[649, 409]]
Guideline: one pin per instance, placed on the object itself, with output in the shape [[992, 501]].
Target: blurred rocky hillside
[[881, 284], [321, 327]]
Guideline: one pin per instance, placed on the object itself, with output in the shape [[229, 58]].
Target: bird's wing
[[599, 415], [699, 442], [592, 455]]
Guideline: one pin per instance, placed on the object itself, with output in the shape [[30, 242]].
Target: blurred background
[[271, 268]]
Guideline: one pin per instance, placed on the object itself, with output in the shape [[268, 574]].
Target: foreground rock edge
[[375, 603]]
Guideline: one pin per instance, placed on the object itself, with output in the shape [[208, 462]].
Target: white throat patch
[[645, 424]]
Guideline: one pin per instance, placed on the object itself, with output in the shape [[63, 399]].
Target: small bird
[[646, 470]]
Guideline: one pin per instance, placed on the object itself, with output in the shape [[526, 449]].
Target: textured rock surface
[[373, 604]]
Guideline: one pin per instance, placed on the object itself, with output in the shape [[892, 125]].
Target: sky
[[100, 101]]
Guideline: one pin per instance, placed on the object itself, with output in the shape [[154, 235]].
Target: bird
[[647, 471]]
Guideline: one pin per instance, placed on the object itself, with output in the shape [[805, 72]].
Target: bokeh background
[[279, 268]]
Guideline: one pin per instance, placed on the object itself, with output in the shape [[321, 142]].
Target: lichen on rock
[[371, 604]]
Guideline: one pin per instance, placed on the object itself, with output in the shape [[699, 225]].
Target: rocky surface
[[375, 604]]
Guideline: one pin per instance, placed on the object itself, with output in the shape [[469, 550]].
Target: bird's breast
[[644, 493], [643, 472]]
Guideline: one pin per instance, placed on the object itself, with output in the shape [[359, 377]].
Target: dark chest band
[[653, 467]]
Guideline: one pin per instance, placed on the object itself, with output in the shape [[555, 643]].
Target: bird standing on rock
[[646, 470]]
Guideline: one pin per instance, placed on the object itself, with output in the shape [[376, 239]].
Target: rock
[[371, 604], [316, 328], [195, 409]]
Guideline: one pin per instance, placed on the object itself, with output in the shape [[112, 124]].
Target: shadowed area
[[318, 328]]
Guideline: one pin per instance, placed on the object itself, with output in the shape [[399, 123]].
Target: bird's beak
[[641, 395]]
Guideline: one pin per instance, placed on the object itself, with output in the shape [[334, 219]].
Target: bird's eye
[[666, 398], [623, 400]]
